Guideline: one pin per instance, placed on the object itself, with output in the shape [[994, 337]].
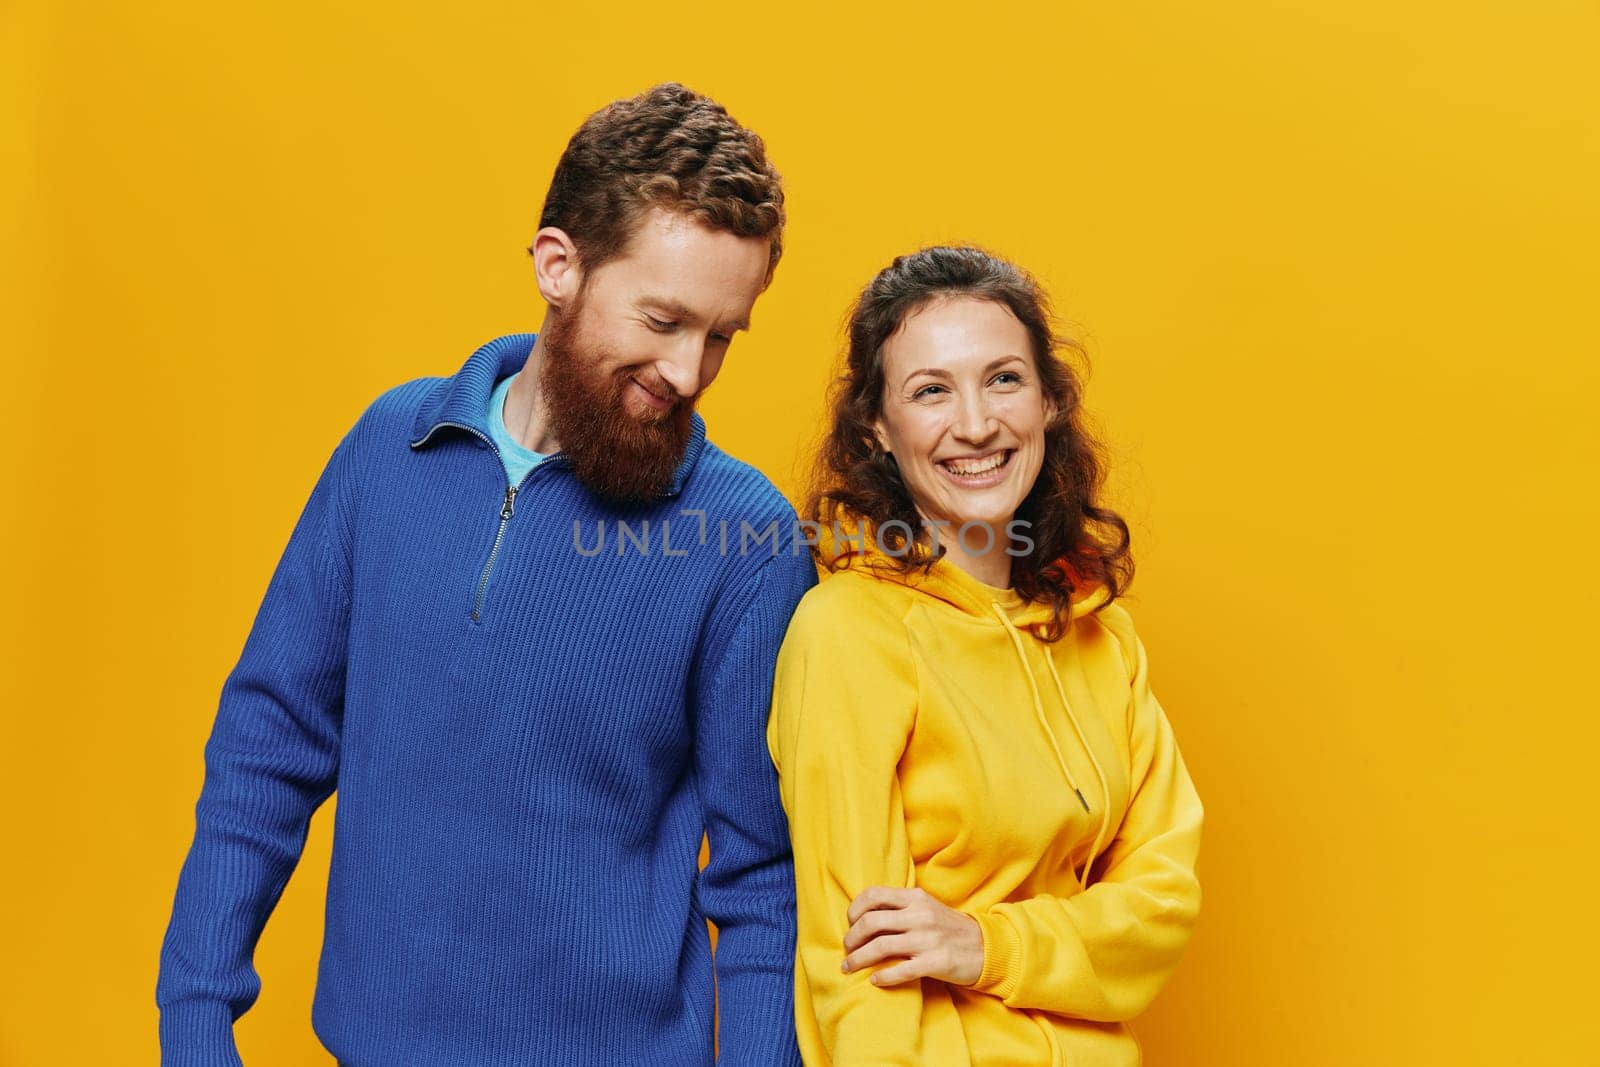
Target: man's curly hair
[[668, 147]]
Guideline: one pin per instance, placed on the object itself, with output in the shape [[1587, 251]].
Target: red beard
[[615, 454]]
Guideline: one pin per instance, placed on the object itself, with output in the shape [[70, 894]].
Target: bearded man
[[529, 741]]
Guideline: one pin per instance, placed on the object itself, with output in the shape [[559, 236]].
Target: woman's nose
[[973, 420]]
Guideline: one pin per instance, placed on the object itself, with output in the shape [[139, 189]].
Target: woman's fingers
[[879, 949], [873, 923], [934, 940], [904, 971], [876, 897]]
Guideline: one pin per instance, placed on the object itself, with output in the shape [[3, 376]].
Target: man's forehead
[[683, 265], [672, 237]]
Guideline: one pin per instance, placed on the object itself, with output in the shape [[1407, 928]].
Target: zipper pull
[[506, 510]]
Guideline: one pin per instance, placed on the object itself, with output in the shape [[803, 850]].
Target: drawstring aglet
[[1081, 800]]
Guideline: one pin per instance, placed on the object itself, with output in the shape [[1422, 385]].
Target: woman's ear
[[555, 266], [882, 436]]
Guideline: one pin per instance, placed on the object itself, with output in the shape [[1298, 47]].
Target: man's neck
[[525, 415]]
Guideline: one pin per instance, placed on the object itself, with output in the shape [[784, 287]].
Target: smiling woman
[[951, 359], [964, 417], [994, 832]]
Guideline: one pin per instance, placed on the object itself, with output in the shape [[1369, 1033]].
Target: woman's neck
[[986, 560]]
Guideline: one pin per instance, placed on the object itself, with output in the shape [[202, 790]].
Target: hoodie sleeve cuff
[[198, 1033], [1002, 955]]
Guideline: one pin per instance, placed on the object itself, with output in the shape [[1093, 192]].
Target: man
[[529, 735]]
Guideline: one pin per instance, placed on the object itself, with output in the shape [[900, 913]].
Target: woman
[[994, 833]]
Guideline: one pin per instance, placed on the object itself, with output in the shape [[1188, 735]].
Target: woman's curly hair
[[1077, 543]]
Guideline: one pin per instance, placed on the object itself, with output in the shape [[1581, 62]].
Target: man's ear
[[555, 266]]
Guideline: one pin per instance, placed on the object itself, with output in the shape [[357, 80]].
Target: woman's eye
[[722, 339], [926, 390], [1009, 377], [659, 324]]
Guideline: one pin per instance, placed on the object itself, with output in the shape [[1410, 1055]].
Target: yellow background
[[1336, 267]]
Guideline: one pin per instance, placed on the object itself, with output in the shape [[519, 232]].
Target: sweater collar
[[461, 401]]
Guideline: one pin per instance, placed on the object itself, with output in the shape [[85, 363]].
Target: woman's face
[[964, 412]]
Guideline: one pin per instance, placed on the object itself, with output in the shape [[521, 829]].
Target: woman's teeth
[[970, 467]]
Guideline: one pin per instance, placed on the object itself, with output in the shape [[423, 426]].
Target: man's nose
[[680, 368]]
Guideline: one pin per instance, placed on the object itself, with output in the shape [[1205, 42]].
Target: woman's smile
[[978, 472]]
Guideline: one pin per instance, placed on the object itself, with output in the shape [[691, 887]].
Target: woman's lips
[[984, 478]]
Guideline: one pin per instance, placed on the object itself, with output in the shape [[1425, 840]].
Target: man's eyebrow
[[678, 310]]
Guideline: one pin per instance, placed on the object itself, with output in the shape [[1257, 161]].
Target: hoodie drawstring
[[1038, 710]]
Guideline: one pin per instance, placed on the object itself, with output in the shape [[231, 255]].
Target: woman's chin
[[988, 507], [974, 521], [993, 505]]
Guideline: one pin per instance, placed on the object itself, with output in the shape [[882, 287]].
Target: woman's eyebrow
[[938, 372]]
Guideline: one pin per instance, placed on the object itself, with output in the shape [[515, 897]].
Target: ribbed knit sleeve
[[747, 887], [271, 760], [1104, 954]]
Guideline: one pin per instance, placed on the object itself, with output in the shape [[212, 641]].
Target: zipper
[[507, 507], [507, 510]]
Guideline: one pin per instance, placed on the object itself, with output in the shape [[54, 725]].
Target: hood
[[851, 542], [852, 546]]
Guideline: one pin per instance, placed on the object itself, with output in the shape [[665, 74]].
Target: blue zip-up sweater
[[528, 737]]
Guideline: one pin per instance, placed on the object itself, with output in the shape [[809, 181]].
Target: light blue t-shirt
[[518, 460]]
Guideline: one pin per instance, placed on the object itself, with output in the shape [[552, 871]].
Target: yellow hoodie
[[925, 738]]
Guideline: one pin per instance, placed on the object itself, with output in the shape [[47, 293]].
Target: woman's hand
[[932, 941]]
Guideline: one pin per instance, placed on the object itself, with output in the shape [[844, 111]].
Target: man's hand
[[931, 940]]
